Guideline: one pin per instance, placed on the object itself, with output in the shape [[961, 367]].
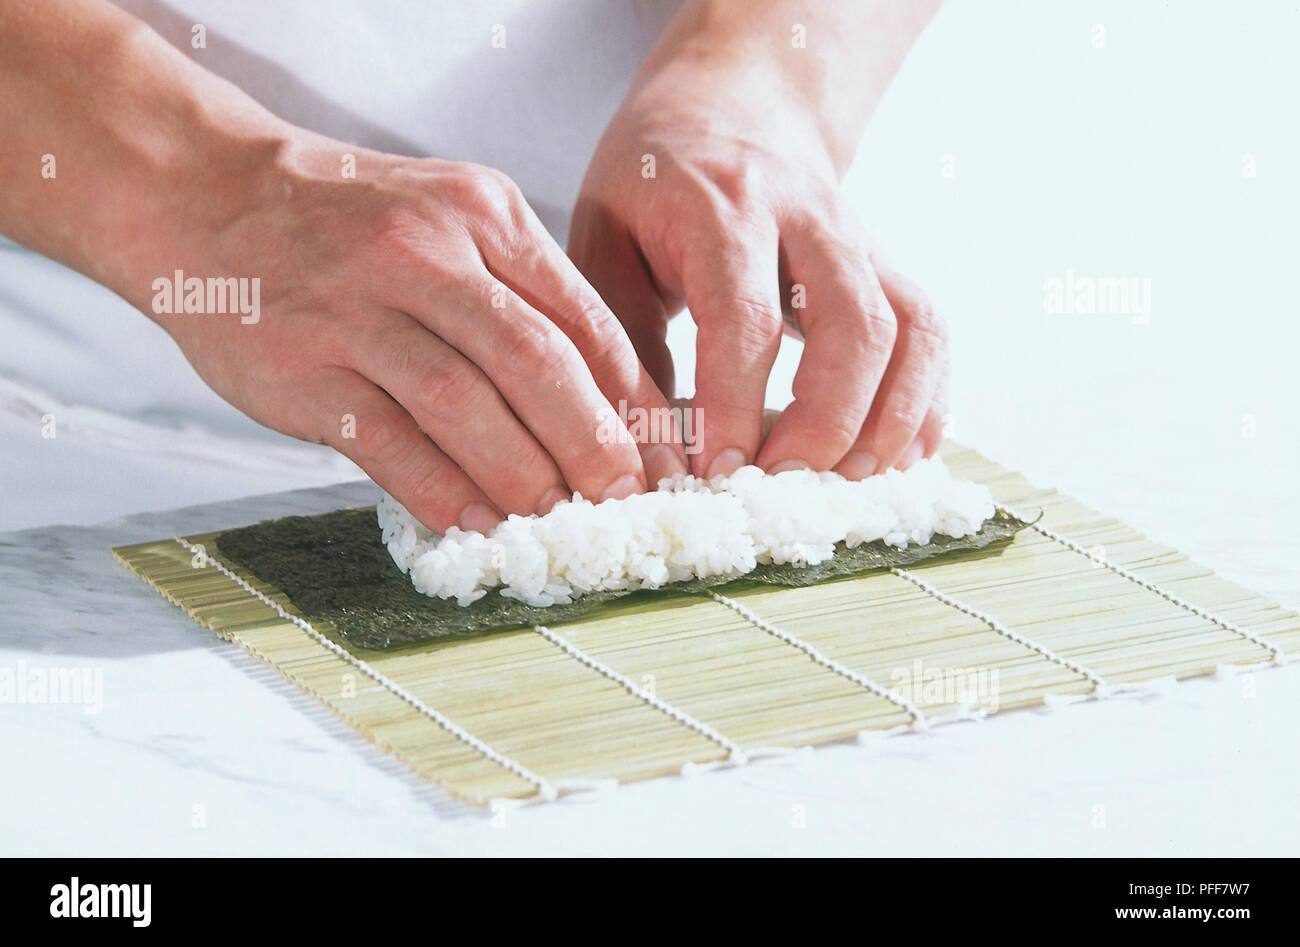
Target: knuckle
[[838, 241], [596, 330], [757, 330], [483, 190], [378, 441], [841, 424], [939, 404], [926, 322], [865, 325], [539, 350], [880, 322], [517, 240], [429, 487], [452, 391], [396, 348], [843, 431], [905, 416], [741, 182], [748, 341], [755, 315]]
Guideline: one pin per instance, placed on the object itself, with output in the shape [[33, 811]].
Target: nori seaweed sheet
[[334, 567]]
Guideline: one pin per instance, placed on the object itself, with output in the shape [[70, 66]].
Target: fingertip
[[550, 498], [858, 465], [792, 464], [622, 488], [915, 451], [663, 461], [806, 437], [479, 518], [726, 462]]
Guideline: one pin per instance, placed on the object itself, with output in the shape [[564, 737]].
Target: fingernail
[[624, 486], [727, 462], [550, 498], [479, 518], [857, 465], [660, 461], [914, 452], [794, 464]]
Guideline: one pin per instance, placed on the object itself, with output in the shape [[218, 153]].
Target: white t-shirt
[[527, 88]]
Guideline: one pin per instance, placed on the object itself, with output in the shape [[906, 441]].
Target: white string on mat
[[1098, 683], [918, 718], [1279, 656], [735, 753], [545, 788], [964, 714]]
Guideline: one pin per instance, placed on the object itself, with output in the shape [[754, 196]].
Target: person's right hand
[[420, 320]]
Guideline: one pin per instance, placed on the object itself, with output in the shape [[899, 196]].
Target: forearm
[[829, 61], [118, 152]]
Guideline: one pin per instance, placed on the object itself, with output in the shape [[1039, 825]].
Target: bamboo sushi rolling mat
[[1078, 606]]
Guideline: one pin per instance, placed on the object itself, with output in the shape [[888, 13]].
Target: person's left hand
[[716, 192]]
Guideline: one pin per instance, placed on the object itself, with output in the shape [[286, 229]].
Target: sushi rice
[[688, 528]]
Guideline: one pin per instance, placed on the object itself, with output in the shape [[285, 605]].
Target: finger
[[533, 265], [732, 292], [916, 368], [459, 408], [849, 331], [385, 442], [605, 253], [936, 419], [618, 274], [541, 375]]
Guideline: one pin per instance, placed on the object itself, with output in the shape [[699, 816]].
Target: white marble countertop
[[193, 731], [197, 748]]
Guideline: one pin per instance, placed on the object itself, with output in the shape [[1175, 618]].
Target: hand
[[420, 320], [714, 188]]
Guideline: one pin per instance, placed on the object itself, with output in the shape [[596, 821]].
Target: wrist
[[724, 82], [188, 196], [816, 70], [155, 156], [702, 93]]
